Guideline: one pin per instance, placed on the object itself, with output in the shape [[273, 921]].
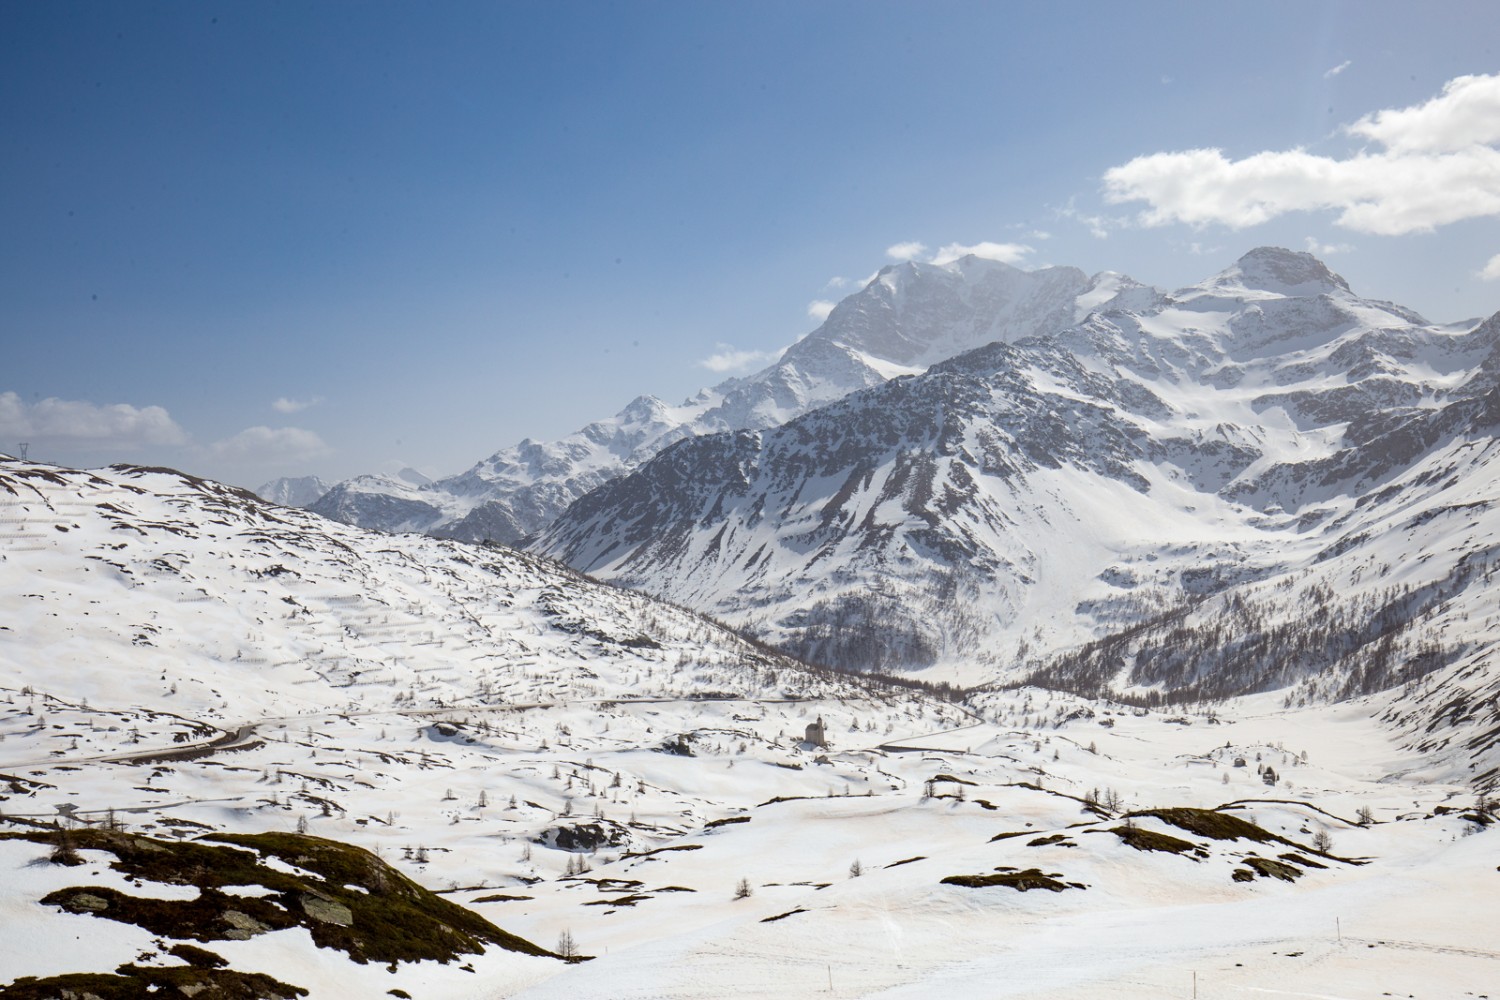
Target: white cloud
[[836, 282], [266, 445], [1324, 249], [1466, 114], [1440, 166], [1491, 271], [70, 422], [731, 359], [1009, 253], [286, 405], [819, 309], [909, 250], [1384, 194], [1335, 71]]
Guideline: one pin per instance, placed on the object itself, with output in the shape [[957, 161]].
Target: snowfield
[[574, 762]]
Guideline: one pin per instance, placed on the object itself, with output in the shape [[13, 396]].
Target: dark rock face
[[582, 838]]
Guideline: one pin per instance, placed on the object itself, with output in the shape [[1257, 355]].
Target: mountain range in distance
[[982, 474]]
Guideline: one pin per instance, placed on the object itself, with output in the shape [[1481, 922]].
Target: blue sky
[[262, 239]]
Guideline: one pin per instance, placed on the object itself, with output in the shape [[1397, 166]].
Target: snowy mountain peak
[[916, 314], [299, 491], [1281, 272], [644, 410], [1112, 290]]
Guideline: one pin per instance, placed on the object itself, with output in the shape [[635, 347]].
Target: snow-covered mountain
[[1266, 431], [908, 317], [293, 491]]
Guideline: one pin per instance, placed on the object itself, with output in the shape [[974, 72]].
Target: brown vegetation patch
[[1060, 839], [1031, 878], [131, 981], [714, 824], [1266, 868], [1151, 840], [660, 850], [782, 916]]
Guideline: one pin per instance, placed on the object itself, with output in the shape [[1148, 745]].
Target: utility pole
[[25, 445]]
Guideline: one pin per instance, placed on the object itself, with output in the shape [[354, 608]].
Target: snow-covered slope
[[599, 773], [908, 317], [137, 585], [154, 626], [1022, 498]]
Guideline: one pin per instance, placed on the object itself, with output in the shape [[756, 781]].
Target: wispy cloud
[[1099, 226], [1009, 253], [1439, 165], [269, 445], [78, 423], [728, 358], [819, 309], [910, 250], [1335, 71], [284, 404], [1325, 249], [1491, 271]]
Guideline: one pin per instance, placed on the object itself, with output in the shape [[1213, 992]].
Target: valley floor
[[723, 855]]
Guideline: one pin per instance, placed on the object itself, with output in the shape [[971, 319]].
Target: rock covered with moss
[[345, 897]]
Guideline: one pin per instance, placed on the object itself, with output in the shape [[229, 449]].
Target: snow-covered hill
[[908, 317], [137, 585]]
